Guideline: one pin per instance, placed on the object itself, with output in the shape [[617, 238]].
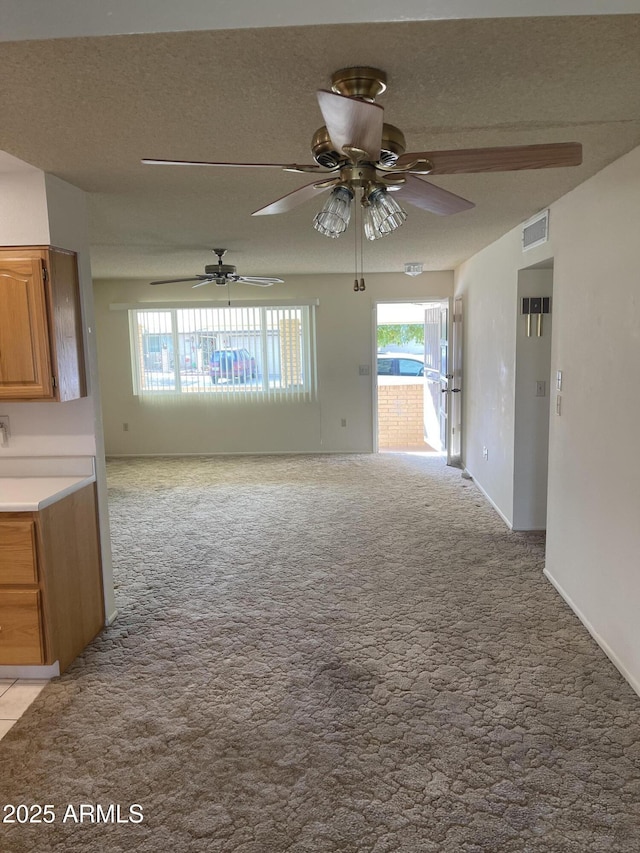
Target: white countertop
[[30, 494]]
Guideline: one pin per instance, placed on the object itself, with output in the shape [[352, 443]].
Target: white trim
[[240, 453], [111, 618], [38, 672], [613, 657], [494, 505], [168, 304]]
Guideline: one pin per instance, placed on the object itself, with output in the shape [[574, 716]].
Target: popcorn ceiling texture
[[329, 654], [248, 95]]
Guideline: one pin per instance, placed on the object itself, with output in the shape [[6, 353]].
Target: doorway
[[410, 411], [533, 392]]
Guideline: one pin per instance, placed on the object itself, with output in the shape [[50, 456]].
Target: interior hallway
[[329, 654]]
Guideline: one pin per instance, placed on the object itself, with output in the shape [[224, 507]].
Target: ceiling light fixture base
[[359, 82]]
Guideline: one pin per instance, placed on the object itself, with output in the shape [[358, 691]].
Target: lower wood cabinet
[[51, 597], [21, 631]]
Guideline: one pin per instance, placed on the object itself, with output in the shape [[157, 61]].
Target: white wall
[[345, 340], [593, 535], [36, 19], [40, 210], [594, 472], [488, 285]]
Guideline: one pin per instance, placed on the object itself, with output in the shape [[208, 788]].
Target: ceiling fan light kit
[[334, 217], [356, 153]]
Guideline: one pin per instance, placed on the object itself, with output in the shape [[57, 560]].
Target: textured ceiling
[[88, 109]]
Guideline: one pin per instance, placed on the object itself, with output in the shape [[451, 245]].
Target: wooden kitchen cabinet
[[51, 597], [41, 349]]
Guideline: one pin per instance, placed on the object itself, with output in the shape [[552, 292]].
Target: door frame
[[409, 300]]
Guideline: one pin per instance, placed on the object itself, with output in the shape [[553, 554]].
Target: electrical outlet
[[364, 370], [485, 453], [541, 388]]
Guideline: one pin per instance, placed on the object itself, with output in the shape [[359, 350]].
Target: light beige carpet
[[337, 654]]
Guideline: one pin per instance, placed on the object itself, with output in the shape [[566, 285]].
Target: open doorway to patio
[[409, 350]]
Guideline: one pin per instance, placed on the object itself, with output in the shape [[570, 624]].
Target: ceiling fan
[[356, 151], [222, 274]]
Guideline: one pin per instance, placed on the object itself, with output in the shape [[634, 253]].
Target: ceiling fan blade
[[291, 200], [507, 159], [291, 166], [205, 280], [429, 197], [352, 123], [176, 280], [260, 281]]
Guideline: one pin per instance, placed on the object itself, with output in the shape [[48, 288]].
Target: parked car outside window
[[400, 364], [233, 364]]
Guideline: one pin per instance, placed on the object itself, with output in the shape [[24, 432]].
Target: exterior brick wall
[[401, 417]]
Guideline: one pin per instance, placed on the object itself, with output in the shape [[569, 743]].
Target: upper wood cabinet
[[41, 350]]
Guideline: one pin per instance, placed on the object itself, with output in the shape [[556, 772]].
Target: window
[[385, 366], [253, 352]]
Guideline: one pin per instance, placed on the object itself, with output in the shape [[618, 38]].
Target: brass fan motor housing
[[393, 144], [219, 269], [360, 81], [324, 153]]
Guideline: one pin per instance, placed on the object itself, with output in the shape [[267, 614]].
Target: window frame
[[262, 390]]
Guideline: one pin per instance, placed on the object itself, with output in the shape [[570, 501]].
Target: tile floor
[[16, 694]]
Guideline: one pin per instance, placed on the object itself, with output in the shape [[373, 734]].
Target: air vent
[[535, 231]]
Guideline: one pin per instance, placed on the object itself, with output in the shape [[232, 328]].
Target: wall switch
[[559, 380], [125, 427], [541, 388], [558, 405], [343, 422], [364, 370], [485, 452]]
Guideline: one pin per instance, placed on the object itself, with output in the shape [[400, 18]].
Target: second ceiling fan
[[357, 152]]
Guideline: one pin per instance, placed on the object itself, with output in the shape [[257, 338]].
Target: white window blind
[[247, 353]]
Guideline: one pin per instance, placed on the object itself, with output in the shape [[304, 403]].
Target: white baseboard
[[613, 657], [111, 618], [39, 672], [497, 508]]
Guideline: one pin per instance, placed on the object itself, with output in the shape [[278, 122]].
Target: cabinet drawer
[[20, 627], [17, 552]]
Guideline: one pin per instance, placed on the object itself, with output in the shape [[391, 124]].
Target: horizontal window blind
[[221, 354]]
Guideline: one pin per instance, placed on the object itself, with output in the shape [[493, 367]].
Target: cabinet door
[[25, 362], [17, 552], [20, 627]]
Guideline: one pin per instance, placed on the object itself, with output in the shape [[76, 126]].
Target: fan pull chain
[[362, 285], [355, 245], [357, 227]]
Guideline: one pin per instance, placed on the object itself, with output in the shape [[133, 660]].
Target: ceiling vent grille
[[535, 231]]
